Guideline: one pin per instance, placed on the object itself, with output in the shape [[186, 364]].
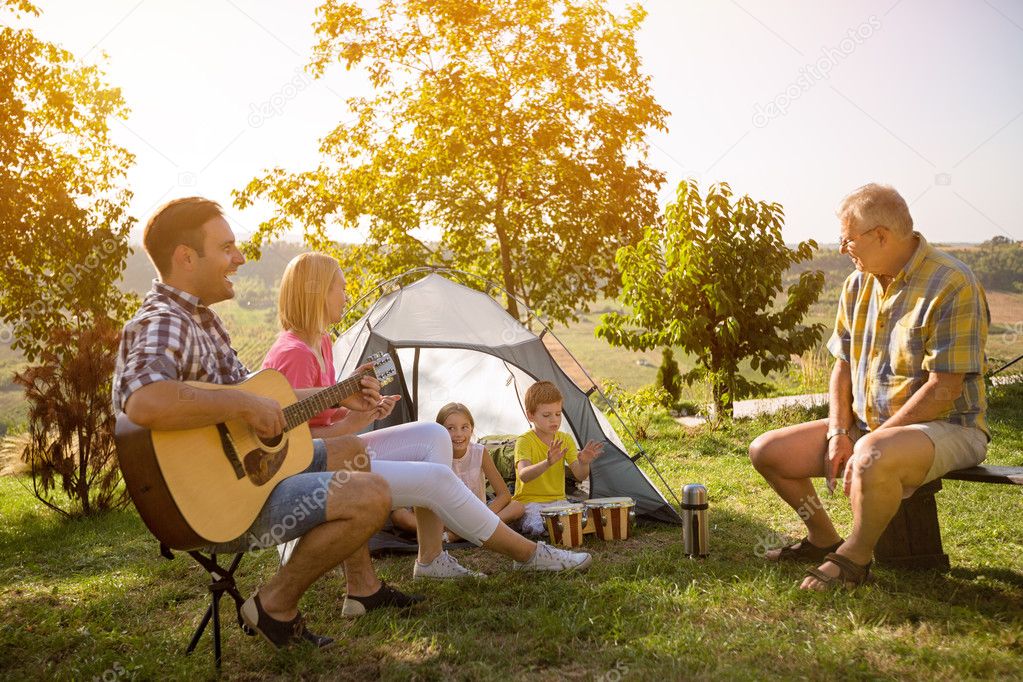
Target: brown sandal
[[804, 550], [849, 574]]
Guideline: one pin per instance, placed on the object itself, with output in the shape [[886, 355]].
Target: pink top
[[290, 356], [469, 468]]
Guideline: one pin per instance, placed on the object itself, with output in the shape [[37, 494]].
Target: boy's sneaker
[[384, 597], [444, 567], [547, 558]]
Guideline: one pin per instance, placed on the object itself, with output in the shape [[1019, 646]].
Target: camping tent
[[452, 343]]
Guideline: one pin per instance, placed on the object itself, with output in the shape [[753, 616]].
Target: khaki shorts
[[955, 447]]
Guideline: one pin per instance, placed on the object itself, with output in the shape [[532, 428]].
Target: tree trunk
[[720, 387], [501, 229]]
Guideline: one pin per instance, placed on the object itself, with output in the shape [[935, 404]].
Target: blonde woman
[[415, 459]]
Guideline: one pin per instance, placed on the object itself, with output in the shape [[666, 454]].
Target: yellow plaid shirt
[[933, 318]]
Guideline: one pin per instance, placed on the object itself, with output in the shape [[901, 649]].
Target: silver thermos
[[694, 515]]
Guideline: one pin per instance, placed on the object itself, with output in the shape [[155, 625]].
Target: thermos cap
[[694, 494]]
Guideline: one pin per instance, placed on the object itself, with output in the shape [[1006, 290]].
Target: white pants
[[532, 521], [415, 460]]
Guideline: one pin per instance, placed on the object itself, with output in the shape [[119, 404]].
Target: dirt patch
[[565, 361], [1006, 308]]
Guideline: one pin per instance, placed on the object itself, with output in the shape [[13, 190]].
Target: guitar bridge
[[227, 445]]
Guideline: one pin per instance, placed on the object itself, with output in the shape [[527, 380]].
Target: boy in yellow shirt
[[539, 472]]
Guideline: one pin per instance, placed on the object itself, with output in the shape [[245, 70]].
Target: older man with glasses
[[906, 392]]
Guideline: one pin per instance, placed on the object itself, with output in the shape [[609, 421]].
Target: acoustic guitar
[[203, 486]]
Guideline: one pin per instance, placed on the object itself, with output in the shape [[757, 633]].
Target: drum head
[[562, 509], [611, 502]]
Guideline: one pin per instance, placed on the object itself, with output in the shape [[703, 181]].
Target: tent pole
[[415, 385]]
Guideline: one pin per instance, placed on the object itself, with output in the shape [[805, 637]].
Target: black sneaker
[[280, 633], [385, 596]]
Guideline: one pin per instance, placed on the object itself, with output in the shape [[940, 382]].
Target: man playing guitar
[[175, 337]]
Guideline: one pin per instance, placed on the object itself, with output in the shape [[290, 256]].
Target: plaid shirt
[[933, 318], [173, 336]]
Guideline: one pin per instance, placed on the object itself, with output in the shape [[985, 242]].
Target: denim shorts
[[297, 505]]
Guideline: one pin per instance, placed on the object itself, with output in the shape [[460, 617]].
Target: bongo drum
[[565, 523], [612, 516]]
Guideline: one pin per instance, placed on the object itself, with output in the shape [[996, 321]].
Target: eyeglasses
[[842, 243]]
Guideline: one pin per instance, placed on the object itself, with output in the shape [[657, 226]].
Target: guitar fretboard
[[304, 410]]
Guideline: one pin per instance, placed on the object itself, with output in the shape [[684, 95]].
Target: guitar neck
[[307, 408]]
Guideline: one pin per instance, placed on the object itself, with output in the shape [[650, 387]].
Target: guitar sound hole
[[272, 442]]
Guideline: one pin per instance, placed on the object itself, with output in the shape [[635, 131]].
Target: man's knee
[[350, 451], [365, 492], [761, 450], [871, 461]]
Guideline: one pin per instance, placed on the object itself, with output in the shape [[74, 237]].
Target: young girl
[[473, 464], [414, 459]]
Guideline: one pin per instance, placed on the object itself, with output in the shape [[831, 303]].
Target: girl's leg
[[512, 512], [405, 519]]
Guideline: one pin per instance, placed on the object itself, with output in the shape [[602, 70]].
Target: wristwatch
[[836, 432]]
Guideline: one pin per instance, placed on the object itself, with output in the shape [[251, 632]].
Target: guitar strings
[[304, 410]]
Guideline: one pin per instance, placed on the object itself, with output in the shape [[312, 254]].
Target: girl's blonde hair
[[455, 408], [302, 304]]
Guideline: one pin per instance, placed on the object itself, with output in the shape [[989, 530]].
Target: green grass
[[88, 597]]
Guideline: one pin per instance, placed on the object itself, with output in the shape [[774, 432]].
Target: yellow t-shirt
[[550, 485]]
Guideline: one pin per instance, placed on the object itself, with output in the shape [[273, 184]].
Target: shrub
[[71, 421], [669, 377], [638, 409]]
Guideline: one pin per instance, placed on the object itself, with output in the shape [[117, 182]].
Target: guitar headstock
[[383, 367]]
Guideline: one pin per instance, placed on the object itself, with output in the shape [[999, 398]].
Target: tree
[[513, 128], [62, 204], [707, 280], [997, 263], [63, 208]]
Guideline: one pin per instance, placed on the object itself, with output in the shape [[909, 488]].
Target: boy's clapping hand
[[556, 452], [591, 452]]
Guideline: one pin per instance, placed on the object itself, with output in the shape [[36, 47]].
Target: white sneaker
[[444, 567], [547, 558]]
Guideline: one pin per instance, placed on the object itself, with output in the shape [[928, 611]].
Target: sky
[[797, 102]]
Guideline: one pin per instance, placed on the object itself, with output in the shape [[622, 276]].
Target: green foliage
[[637, 409], [65, 229], [706, 279], [668, 375], [515, 128], [71, 422], [998, 264], [62, 203]]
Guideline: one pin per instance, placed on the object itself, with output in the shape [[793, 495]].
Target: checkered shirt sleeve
[[153, 348]]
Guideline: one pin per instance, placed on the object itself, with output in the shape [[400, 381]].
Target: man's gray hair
[[873, 205]]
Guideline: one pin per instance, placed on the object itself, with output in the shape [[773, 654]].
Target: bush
[[637, 410], [71, 422], [669, 377]]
